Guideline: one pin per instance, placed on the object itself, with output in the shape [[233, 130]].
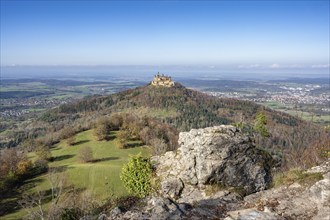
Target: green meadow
[[101, 177]]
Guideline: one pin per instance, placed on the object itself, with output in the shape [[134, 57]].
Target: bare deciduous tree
[[33, 203], [85, 154]]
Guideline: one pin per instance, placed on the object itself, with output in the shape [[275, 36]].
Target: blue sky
[[240, 34]]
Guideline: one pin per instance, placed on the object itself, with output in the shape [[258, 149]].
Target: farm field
[[306, 115]]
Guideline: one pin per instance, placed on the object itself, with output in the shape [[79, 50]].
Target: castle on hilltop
[[162, 80]]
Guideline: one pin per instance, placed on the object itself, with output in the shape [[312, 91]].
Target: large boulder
[[220, 155]]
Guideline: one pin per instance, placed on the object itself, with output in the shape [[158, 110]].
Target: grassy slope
[[101, 178]]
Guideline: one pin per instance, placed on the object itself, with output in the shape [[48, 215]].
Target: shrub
[[67, 132], [102, 129], [71, 141], [85, 154], [116, 121], [159, 146], [123, 137], [101, 132], [137, 176], [304, 158], [43, 152]]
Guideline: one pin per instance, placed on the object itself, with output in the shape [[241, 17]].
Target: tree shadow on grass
[[104, 159], [58, 169], [80, 142], [30, 183], [63, 157], [110, 138], [132, 145], [9, 205], [9, 200]]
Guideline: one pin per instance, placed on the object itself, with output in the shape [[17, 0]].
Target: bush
[[137, 176], [123, 137], [159, 146], [67, 132], [116, 121], [85, 154], [43, 153], [102, 129], [101, 132], [71, 141]]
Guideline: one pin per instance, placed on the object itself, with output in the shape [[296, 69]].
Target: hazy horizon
[[146, 72]]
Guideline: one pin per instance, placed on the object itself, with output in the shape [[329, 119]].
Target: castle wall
[[162, 81]]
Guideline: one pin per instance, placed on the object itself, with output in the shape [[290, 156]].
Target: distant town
[[289, 95]]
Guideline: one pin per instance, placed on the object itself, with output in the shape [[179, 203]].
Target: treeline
[[160, 136], [192, 109]]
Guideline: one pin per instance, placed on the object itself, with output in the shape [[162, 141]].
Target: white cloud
[[274, 66], [320, 66], [251, 66]]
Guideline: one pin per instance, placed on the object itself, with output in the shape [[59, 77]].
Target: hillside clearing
[[101, 177]]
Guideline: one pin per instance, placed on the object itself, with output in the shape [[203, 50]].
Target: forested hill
[[186, 109]]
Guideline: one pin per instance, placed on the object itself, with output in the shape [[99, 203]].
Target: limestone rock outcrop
[[219, 155], [224, 156]]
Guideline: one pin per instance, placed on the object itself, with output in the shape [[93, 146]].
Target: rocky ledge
[[207, 177], [215, 156]]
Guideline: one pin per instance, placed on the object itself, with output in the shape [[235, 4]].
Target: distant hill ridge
[[186, 109]]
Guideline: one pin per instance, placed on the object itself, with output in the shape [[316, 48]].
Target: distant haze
[[237, 35], [145, 73]]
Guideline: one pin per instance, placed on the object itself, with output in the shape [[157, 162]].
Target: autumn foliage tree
[[14, 167]]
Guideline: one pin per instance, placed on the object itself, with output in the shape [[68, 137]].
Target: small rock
[[87, 217], [115, 212], [102, 217], [295, 185]]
